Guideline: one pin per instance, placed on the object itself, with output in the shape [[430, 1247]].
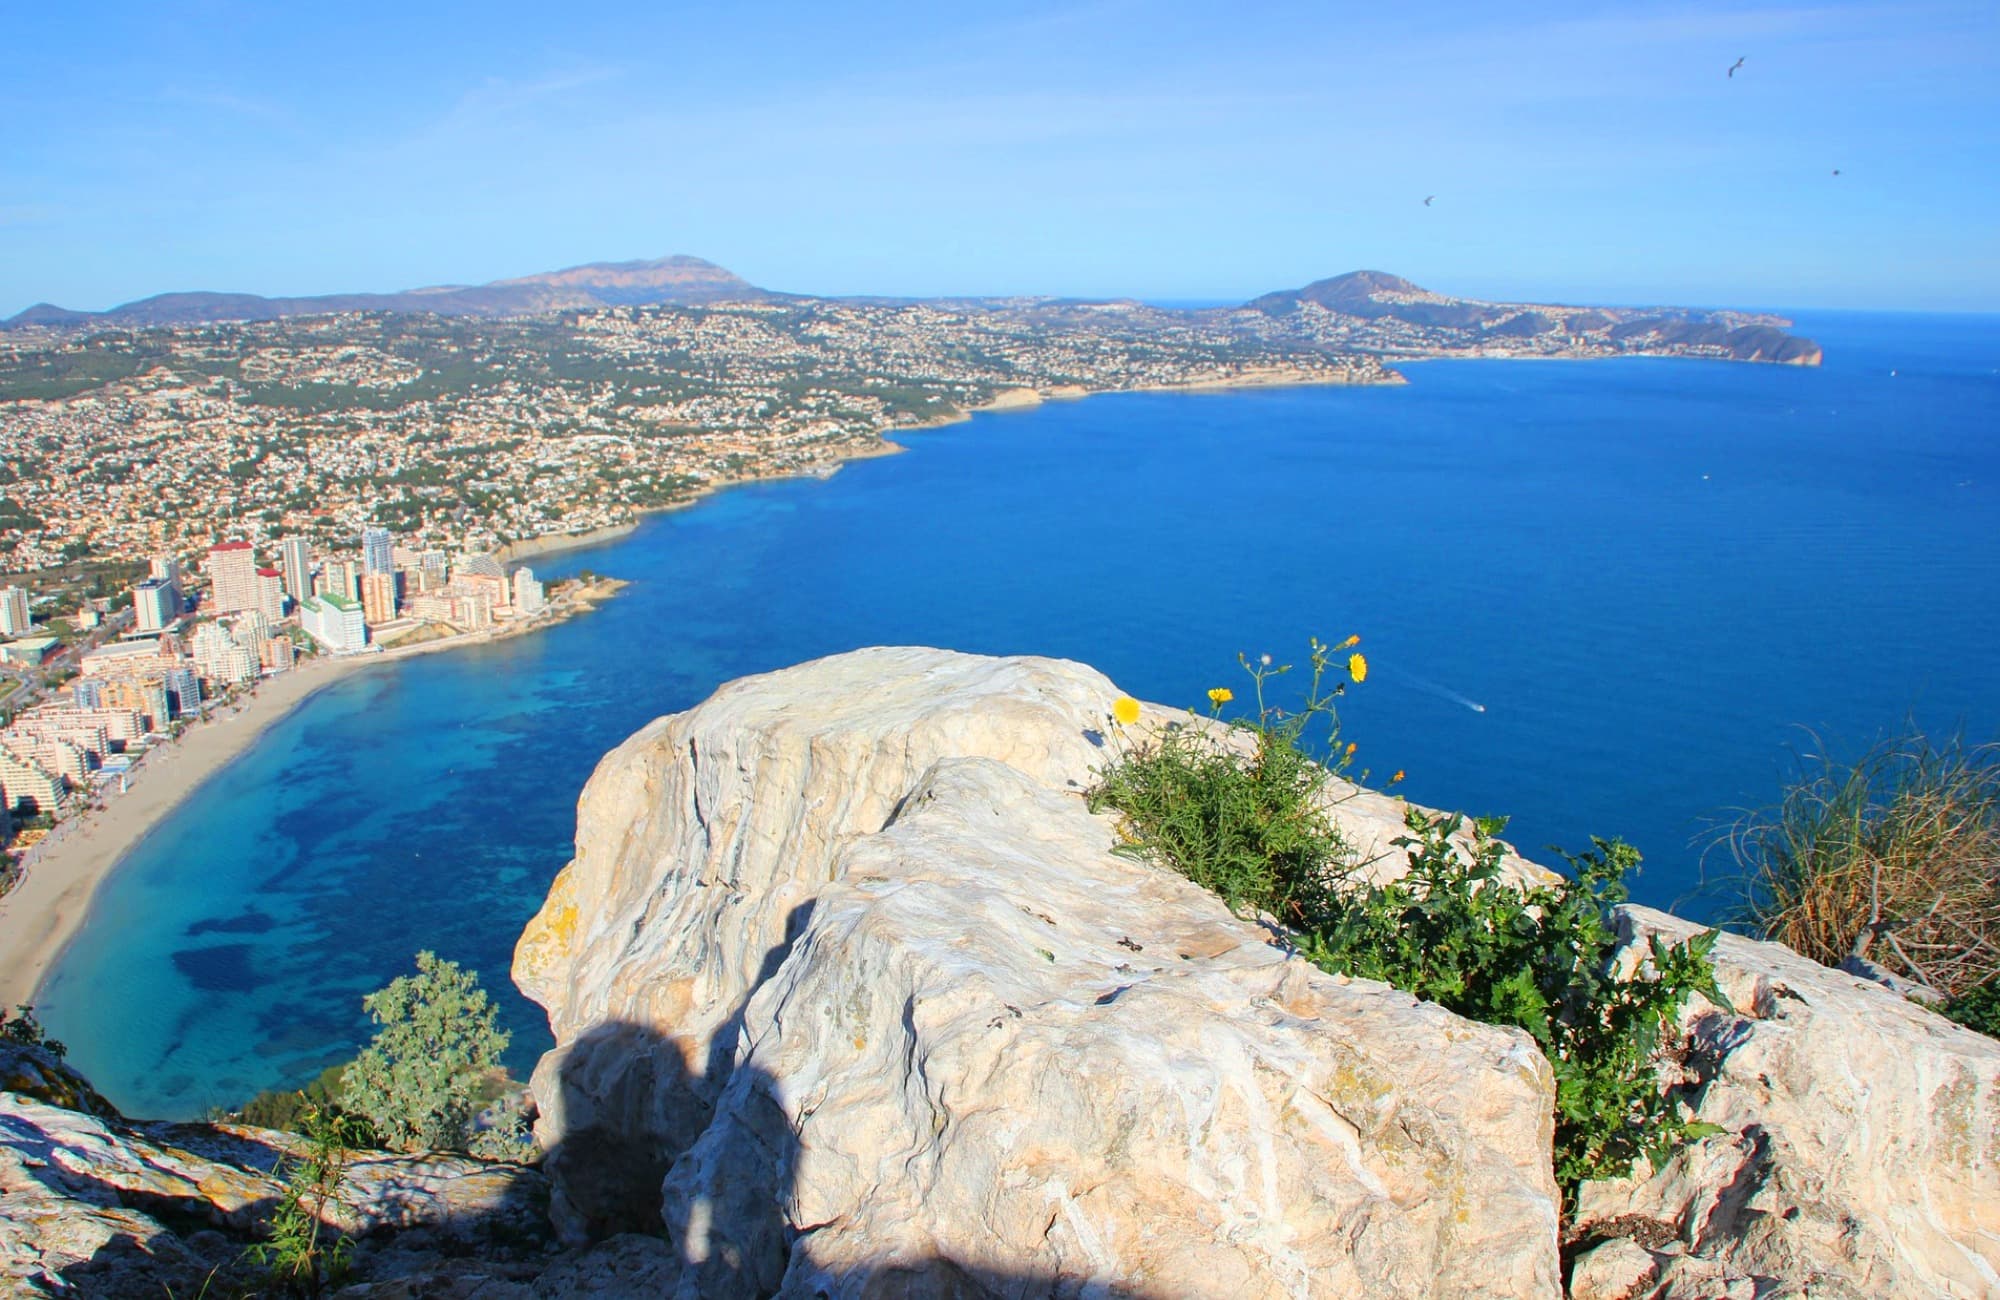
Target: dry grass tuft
[[1895, 858]]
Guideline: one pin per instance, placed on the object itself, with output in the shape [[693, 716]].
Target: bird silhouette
[[1836, 171], [1733, 67], [1428, 198]]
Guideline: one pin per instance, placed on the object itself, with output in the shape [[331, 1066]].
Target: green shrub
[[1977, 1009], [1241, 808], [1240, 817], [1539, 958], [287, 1108], [423, 1078]]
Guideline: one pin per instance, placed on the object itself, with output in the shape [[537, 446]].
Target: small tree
[[23, 1028], [305, 1255], [419, 1082]]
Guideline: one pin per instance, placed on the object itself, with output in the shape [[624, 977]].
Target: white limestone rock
[[843, 959], [1862, 1148], [84, 1201]]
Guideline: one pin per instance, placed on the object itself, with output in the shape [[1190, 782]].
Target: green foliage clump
[[422, 1080], [1541, 958], [22, 1027], [288, 1108], [1242, 810], [1242, 819], [303, 1255], [1978, 1009]]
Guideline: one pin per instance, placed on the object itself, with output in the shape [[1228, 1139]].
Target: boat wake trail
[[1429, 687]]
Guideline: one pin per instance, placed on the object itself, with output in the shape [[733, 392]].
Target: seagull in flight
[[1428, 198], [1732, 68]]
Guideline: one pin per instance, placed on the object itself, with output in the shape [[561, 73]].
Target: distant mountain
[[677, 280], [1326, 308]]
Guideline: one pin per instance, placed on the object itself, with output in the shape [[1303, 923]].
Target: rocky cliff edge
[[850, 990]]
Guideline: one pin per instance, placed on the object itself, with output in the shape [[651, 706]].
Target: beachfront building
[[60, 758], [182, 691], [434, 570], [277, 654], [340, 578], [378, 598], [378, 551], [27, 786], [101, 731], [335, 622], [232, 577], [271, 594], [220, 657], [156, 603], [295, 560], [529, 596], [482, 575], [473, 610], [14, 618]]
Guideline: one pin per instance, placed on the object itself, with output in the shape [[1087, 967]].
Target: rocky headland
[[853, 995]]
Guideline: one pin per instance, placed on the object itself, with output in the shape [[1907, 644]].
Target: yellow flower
[[1351, 747], [1350, 642], [1397, 777], [1220, 695], [1357, 667], [1125, 709]]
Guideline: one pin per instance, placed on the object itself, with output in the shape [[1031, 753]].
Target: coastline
[[62, 875], [38, 921]]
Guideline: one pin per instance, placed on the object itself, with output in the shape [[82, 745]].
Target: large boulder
[[851, 991], [1860, 1155]]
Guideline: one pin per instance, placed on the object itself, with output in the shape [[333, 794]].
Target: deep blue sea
[[1656, 576]]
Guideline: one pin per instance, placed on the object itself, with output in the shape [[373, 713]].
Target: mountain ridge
[[1398, 315], [677, 279]]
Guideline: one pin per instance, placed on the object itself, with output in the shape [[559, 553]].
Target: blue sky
[[1189, 150]]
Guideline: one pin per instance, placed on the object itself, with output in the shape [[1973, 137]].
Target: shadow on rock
[[719, 1220]]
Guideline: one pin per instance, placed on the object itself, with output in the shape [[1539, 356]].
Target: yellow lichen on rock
[[552, 930]]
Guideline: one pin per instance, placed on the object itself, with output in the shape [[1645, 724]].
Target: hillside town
[[466, 434], [187, 509], [87, 693]]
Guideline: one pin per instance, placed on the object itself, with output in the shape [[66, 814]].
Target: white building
[[157, 603], [378, 550], [295, 559], [334, 621], [28, 782], [14, 611], [232, 576], [220, 657], [271, 593], [529, 597]]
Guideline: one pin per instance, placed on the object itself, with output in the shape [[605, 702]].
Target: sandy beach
[[63, 872], [39, 916]]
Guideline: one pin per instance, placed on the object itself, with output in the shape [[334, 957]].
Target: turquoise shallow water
[[1652, 574]]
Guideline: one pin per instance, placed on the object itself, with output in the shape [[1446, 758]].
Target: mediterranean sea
[[1605, 598]]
